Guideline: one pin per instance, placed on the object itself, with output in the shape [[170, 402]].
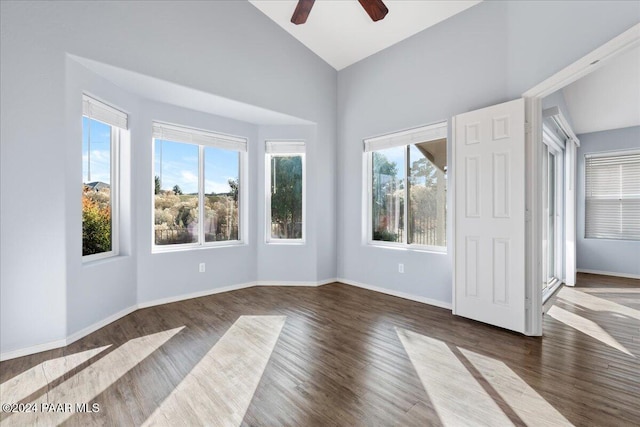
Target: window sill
[[91, 262], [615, 239], [169, 248], [286, 242], [410, 248]]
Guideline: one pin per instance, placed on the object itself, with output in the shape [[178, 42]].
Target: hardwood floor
[[340, 355]]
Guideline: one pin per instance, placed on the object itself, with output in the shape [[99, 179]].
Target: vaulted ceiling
[[608, 98], [341, 32]]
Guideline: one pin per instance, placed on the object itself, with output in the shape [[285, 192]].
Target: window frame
[[601, 154], [114, 185], [242, 197], [409, 134], [268, 172]]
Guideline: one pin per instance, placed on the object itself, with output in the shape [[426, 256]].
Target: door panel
[[489, 215]]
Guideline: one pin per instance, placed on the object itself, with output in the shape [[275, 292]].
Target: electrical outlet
[[400, 268], [201, 268]]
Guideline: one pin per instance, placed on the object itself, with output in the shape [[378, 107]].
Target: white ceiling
[[341, 32], [608, 98]]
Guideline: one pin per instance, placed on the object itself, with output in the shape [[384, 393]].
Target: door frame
[[556, 148], [533, 149]]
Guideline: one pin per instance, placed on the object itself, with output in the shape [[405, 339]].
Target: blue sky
[[100, 151], [179, 161], [396, 154], [180, 166], [415, 154]]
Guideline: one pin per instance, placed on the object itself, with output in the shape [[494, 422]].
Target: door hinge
[[527, 127]]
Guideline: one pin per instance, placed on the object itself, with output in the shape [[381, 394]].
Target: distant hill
[[97, 185]]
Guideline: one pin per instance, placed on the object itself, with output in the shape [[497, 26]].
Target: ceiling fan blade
[[375, 8], [301, 13]]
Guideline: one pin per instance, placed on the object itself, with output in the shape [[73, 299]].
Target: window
[[407, 179], [612, 196], [101, 129], [285, 206], [198, 187]]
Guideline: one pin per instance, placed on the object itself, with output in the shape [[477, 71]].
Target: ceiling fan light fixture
[[374, 8], [301, 13]]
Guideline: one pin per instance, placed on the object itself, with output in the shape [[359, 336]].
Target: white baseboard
[[192, 295], [100, 324], [609, 273], [32, 350], [104, 322], [70, 339], [327, 281], [281, 283], [399, 294]]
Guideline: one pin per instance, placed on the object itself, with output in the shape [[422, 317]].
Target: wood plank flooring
[[343, 356]]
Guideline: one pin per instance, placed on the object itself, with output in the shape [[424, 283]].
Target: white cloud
[[216, 187], [189, 177], [100, 165]]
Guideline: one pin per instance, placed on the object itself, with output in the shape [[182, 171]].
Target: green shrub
[[96, 227], [385, 236]]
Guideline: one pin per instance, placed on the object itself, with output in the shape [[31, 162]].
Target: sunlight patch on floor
[[455, 394], [608, 290], [595, 303], [530, 407], [35, 378], [587, 327], [84, 386], [219, 389]]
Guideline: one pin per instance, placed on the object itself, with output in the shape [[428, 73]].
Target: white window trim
[[610, 153], [205, 139], [407, 137], [284, 149], [114, 187], [556, 147], [103, 112], [398, 139]]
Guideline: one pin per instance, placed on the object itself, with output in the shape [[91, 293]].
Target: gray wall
[[490, 53], [543, 37], [270, 266], [171, 274], [613, 256], [227, 48], [95, 290]]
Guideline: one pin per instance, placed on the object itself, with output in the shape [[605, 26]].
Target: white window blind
[[612, 196], [285, 147], [175, 133], [411, 136], [100, 111]]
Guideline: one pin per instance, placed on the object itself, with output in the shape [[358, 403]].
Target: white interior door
[[489, 215]]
